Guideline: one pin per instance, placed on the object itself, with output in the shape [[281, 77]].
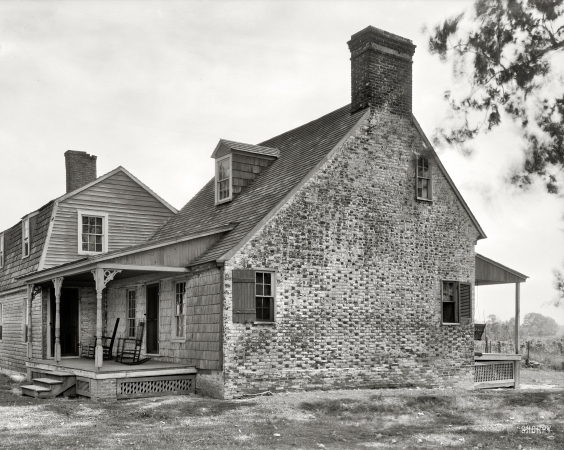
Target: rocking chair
[[88, 351], [129, 349]]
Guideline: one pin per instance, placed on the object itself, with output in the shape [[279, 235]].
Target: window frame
[[418, 176], [217, 181], [90, 213], [177, 317], [26, 240], [272, 273], [128, 309], [2, 252], [456, 302]]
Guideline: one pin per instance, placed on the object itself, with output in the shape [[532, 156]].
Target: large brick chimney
[[81, 169], [381, 71]]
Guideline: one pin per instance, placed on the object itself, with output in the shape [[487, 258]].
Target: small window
[[131, 309], [456, 301], [1, 319], [1, 251], [424, 188], [92, 232], [450, 302], [25, 238], [223, 180], [264, 297], [179, 310], [254, 295]]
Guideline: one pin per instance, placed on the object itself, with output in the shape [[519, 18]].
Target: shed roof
[[489, 271]]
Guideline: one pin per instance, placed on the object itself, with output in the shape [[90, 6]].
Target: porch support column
[[58, 282], [517, 366], [101, 277]]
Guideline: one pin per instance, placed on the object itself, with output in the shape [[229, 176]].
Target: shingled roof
[[14, 265], [300, 149]]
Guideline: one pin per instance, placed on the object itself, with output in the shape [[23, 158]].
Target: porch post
[[58, 282], [517, 366], [99, 352], [101, 277]]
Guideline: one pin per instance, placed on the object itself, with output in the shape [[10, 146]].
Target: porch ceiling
[[489, 271]]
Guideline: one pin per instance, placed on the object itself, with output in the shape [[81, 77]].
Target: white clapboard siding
[[133, 216]]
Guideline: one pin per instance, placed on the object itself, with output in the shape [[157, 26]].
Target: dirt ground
[[352, 419]]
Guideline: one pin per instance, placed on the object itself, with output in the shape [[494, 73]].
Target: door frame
[[158, 286], [49, 354]]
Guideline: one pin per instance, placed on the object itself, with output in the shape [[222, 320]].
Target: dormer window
[[223, 180], [1, 251], [25, 237]]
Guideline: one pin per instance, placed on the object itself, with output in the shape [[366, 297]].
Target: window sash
[[92, 235], [424, 187], [223, 179], [179, 313], [450, 302], [264, 296], [25, 238], [131, 313]]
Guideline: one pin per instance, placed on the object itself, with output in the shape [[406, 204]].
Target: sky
[[153, 86]]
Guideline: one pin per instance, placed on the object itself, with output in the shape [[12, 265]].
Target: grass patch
[[387, 419]]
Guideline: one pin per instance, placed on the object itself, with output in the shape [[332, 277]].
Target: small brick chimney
[[381, 71], [81, 169]]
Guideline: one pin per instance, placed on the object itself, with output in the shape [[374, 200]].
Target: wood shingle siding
[[14, 264], [13, 350], [134, 215]]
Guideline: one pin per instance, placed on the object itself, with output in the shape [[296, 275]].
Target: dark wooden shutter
[[465, 296], [32, 228], [244, 304]]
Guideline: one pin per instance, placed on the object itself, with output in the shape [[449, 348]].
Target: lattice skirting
[[156, 386], [83, 386], [493, 371]]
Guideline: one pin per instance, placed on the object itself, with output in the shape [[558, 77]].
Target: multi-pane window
[[1, 251], [223, 179], [264, 296], [450, 302], [424, 189], [131, 307], [92, 234], [179, 309], [25, 238]]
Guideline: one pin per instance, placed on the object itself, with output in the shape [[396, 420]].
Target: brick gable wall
[[360, 264]]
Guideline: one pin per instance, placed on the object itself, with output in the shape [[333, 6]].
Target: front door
[[68, 313], [153, 319]]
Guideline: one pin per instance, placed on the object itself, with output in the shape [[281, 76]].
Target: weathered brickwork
[[80, 168], [359, 267], [103, 389]]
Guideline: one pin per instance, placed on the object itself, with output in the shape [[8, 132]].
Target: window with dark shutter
[[465, 295], [423, 188], [244, 305], [450, 301]]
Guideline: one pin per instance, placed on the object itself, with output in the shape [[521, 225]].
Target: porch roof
[[489, 271], [83, 273]]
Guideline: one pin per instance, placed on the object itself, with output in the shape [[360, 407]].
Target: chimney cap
[[382, 38]]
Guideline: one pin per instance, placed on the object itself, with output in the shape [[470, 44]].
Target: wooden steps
[[50, 384]]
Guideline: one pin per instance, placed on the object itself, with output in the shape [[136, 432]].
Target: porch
[[115, 380], [493, 370]]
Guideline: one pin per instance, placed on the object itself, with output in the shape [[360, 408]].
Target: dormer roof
[[224, 147]]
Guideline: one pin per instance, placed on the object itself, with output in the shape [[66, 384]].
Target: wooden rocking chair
[[129, 349], [88, 351]]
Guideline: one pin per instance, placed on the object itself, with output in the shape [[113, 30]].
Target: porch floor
[[110, 369]]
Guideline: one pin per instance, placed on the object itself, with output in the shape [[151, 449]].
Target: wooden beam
[[114, 266], [99, 351], [517, 315]]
